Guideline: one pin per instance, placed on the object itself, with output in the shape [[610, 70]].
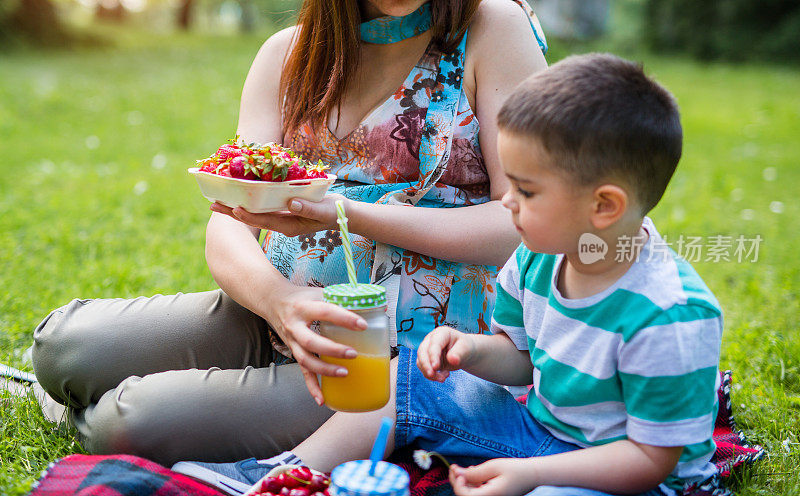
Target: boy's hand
[[444, 349], [498, 477]]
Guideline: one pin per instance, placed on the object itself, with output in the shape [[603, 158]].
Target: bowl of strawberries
[[260, 178], [291, 480]]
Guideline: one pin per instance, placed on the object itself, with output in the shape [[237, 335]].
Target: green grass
[[95, 202]]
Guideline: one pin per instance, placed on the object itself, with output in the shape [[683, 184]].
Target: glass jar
[[366, 385]]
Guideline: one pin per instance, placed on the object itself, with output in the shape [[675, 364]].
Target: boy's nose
[[508, 201]]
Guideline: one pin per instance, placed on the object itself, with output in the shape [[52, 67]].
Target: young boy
[[618, 335]]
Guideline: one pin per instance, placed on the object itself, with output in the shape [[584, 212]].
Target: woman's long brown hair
[[325, 52]]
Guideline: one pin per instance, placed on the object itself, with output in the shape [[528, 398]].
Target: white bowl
[[259, 196]]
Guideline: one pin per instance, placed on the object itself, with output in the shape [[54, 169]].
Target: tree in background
[[185, 14], [110, 10], [725, 29], [34, 21], [40, 22]]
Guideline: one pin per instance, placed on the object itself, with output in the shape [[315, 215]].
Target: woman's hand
[[291, 316], [444, 349], [303, 217], [497, 477]]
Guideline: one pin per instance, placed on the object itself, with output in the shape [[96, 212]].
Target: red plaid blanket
[[124, 475], [116, 475]]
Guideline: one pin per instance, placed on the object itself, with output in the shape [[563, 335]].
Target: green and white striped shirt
[[638, 360]]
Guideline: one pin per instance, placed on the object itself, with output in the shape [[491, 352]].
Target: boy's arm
[[621, 467], [491, 357], [498, 360]]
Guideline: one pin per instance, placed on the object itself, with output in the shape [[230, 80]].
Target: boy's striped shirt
[[638, 360]]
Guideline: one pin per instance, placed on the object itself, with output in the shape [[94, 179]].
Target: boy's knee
[[55, 352]]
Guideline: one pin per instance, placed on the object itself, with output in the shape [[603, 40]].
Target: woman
[[206, 376]]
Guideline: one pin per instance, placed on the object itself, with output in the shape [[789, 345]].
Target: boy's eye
[[526, 194]]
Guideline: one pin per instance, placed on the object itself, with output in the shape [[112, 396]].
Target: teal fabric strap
[[434, 152], [391, 29]]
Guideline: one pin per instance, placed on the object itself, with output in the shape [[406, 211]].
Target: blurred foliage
[[71, 23], [725, 29], [35, 21]]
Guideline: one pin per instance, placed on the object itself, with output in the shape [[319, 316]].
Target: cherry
[[285, 491], [286, 480], [300, 491], [319, 482], [271, 485]]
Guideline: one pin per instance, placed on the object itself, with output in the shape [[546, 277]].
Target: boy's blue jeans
[[469, 420]]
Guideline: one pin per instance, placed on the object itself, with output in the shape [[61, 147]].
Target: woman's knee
[[129, 419], [56, 352]]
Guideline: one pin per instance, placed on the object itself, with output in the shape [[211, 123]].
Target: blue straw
[[380, 444]]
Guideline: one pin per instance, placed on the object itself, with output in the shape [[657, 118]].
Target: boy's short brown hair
[[600, 117]]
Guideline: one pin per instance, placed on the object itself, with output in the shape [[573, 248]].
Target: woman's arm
[[235, 258], [232, 252], [484, 233], [480, 234]]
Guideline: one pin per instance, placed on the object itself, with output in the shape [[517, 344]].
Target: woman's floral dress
[[382, 157]]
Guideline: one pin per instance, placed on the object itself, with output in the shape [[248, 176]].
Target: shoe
[[16, 374], [11, 387], [233, 478], [14, 383], [51, 409]]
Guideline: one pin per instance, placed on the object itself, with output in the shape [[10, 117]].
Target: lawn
[[95, 202]]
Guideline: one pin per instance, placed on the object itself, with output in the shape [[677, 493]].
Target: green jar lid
[[360, 296]]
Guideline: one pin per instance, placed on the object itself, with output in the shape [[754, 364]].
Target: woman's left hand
[[303, 217]]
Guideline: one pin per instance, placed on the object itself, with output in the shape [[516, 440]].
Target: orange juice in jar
[[365, 388], [366, 385]]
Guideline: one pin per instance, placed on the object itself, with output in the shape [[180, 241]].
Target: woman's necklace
[[391, 29]]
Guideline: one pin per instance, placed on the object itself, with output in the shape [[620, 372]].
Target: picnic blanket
[[126, 475]]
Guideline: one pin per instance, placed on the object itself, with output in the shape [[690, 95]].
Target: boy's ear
[[609, 204]]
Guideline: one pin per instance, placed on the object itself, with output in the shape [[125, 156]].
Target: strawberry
[[208, 165], [296, 172], [239, 168], [280, 169], [226, 152], [268, 162]]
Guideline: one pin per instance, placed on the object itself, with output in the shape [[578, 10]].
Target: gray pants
[[180, 377]]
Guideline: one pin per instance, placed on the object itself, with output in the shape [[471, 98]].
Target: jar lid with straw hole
[[361, 478], [355, 296]]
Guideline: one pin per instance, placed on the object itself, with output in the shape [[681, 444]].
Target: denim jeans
[[469, 420]]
